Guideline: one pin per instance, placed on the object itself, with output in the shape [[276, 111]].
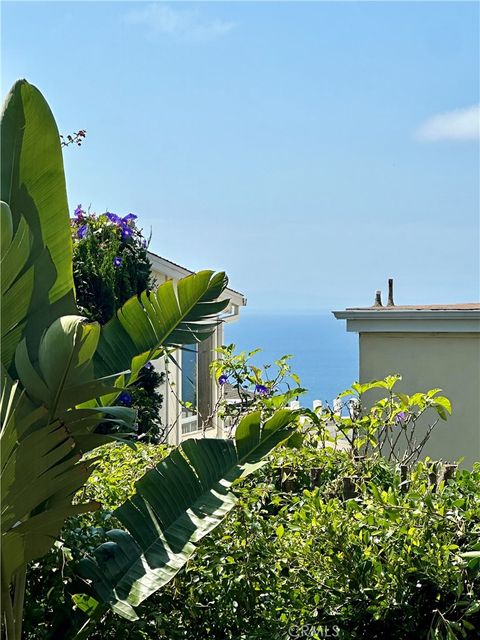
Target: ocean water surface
[[325, 356]]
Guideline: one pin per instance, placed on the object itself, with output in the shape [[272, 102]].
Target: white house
[[191, 381], [431, 346]]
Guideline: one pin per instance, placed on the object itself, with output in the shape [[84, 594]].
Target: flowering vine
[[110, 265], [110, 260]]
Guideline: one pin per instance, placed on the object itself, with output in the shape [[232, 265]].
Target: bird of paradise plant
[[61, 375]]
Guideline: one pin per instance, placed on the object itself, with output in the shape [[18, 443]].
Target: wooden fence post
[[349, 487], [404, 484], [449, 472], [315, 477]]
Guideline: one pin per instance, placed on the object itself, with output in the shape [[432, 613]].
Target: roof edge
[[411, 320], [174, 270], [407, 313]]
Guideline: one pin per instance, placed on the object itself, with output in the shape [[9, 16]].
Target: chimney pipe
[[378, 298], [390, 302]]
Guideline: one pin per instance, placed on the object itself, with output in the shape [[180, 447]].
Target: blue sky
[[309, 149]]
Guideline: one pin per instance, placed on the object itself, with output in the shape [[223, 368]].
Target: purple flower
[[117, 261], [82, 231], [130, 217], [401, 416], [262, 390], [125, 398], [113, 217], [78, 213], [126, 232], [222, 379], [148, 366]]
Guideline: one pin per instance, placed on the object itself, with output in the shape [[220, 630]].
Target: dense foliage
[[299, 559], [325, 541], [110, 265], [383, 565]]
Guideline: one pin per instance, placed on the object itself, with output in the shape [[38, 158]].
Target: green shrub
[[383, 565], [321, 542]]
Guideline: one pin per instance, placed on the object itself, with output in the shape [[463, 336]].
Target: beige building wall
[[450, 361]]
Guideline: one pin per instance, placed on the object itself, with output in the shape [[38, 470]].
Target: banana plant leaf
[[16, 281], [43, 438], [58, 371], [169, 316], [174, 507], [33, 187], [39, 476]]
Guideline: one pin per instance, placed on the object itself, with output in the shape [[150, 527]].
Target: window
[[189, 378], [190, 425], [189, 389]]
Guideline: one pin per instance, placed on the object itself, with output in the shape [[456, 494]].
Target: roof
[[170, 262], [462, 306], [462, 317], [176, 271], [230, 393]]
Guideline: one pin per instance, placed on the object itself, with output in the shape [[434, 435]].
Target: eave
[[392, 320]]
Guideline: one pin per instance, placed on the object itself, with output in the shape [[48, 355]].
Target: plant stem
[[7, 608], [20, 583]]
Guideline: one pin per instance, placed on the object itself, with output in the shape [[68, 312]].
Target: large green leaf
[[16, 281], [63, 381], [33, 186], [43, 437], [39, 476], [170, 316], [41, 471], [174, 507]]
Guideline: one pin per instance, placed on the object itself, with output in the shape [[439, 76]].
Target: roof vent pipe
[[390, 302], [378, 298]]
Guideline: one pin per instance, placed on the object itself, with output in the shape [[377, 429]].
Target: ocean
[[325, 356]]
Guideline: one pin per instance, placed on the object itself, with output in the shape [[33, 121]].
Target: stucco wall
[[450, 361]]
